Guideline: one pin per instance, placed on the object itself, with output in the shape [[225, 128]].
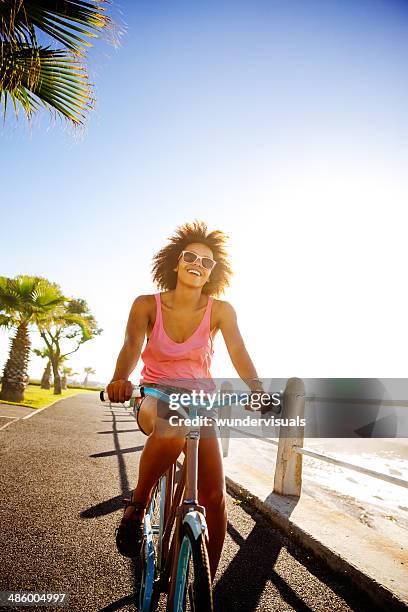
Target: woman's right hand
[[119, 391]]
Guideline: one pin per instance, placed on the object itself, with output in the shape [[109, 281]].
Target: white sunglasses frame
[[199, 257]]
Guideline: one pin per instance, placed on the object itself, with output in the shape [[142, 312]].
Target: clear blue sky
[[282, 123]]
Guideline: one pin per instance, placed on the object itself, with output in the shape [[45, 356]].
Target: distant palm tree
[[35, 75], [87, 372], [46, 377], [22, 300], [70, 325], [65, 373]]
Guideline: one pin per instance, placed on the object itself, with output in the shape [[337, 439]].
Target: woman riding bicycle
[[180, 324]]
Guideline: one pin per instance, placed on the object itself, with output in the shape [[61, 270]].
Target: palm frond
[[7, 321], [70, 22], [28, 296], [32, 75], [44, 76], [82, 322], [47, 296], [10, 298]]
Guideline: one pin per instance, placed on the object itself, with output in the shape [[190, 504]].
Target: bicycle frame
[[180, 505], [177, 510]]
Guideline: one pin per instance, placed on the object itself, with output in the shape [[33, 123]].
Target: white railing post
[[225, 431], [288, 469]]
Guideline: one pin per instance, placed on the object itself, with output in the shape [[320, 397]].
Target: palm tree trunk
[[57, 377], [64, 383], [15, 375], [46, 377], [85, 383]]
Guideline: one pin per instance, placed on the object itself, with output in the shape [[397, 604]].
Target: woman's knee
[[213, 498], [146, 414], [164, 429], [152, 421], [167, 438]]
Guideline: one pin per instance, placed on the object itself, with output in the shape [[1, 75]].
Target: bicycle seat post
[[191, 458]]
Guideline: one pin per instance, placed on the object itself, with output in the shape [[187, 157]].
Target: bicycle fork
[[189, 511]]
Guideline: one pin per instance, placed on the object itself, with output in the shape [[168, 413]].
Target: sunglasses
[[190, 257]]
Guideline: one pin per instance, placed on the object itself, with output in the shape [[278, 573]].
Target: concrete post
[[288, 469], [225, 433]]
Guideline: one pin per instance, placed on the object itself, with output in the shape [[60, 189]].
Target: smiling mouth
[[195, 272]]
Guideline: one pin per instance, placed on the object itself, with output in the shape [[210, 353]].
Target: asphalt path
[[64, 473]]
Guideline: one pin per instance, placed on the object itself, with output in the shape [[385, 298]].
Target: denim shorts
[[163, 409]]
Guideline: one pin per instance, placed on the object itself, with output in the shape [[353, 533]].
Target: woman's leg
[[211, 492], [161, 449]]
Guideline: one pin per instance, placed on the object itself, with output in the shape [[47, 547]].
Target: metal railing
[[288, 468], [357, 468]]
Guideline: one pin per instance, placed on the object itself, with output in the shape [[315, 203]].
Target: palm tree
[[46, 377], [65, 373], [34, 75], [87, 372], [70, 323], [22, 300]]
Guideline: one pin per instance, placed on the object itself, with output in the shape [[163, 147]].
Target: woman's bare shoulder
[[222, 304], [222, 309], [144, 304], [144, 299]]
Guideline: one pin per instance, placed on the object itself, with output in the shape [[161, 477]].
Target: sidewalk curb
[[376, 592]]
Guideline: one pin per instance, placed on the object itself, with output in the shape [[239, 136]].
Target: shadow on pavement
[[123, 421], [132, 599], [115, 503], [255, 561], [120, 603], [106, 507], [121, 451], [110, 431], [243, 583]]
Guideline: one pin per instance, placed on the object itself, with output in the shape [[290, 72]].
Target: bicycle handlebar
[[142, 391], [136, 392]]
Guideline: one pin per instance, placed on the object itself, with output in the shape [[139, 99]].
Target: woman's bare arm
[[236, 347], [120, 388]]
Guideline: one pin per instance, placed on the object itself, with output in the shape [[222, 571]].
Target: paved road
[[63, 475], [10, 413]]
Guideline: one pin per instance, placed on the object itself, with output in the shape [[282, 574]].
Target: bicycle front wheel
[[193, 591], [151, 553]]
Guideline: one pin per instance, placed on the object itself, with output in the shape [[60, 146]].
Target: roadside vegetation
[[32, 303], [35, 397]]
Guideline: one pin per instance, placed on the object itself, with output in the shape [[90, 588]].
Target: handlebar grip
[[137, 391]]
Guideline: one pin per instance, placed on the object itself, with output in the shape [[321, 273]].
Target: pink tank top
[[179, 364]]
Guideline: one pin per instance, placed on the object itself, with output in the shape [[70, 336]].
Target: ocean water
[[369, 497]]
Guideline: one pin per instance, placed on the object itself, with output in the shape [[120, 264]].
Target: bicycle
[[174, 556]]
